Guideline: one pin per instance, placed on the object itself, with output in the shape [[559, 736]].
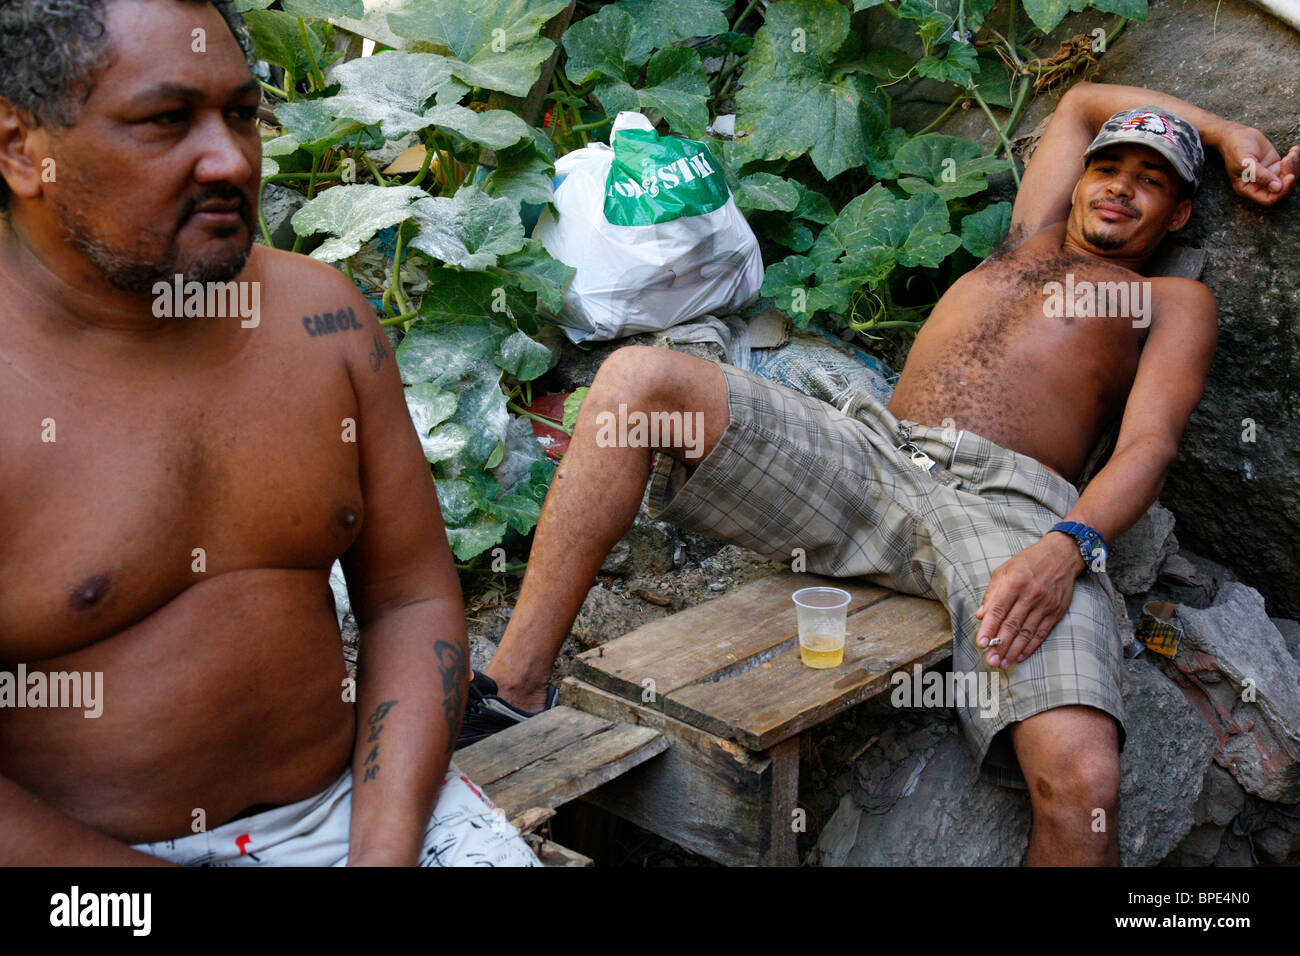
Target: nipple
[[89, 593]]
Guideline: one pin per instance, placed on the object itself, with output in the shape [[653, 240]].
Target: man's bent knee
[[662, 388], [1070, 758]]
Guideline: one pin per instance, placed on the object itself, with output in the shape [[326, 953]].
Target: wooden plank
[[782, 848], [552, 854], [761, 706], [567, 775], [705, 794], [555, 757], [549, 732], [706, 642]]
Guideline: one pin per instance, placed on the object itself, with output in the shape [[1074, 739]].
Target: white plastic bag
[[653, 232]]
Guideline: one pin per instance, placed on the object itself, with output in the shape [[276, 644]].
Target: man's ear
[[23, 151], [1182, 212]]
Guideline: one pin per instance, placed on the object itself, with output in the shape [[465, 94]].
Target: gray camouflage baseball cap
[[1167, 133]]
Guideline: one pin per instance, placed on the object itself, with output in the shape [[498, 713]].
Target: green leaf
[[525, 172], [455, 498], [392, 89], [495, 129], [458, 354], [313, 126], [873, 234], [433, 405], [787, 232], [471, 230], [946, 165], [1133, 9], [475, 536], [675, 83], [534, 269], [994, 82], [791, 104], [665, 22], [519, 512], [865, 4], [608, 44], [454, 294], [982, 231], [496, 42], [765, 191], [352, 214], [523, 357], [325, 9], [453, 341], [938, 18], [956, 67], [888, 63], [677, 87], [880, 160], [572, 405], [1046, 14], [276, 38], [812, 206]]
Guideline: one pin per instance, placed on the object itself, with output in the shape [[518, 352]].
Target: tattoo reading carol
[[344, 320]]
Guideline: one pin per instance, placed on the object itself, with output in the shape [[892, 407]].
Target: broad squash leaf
[[352, 214], [794, 101], [496, 43], [471, 229]]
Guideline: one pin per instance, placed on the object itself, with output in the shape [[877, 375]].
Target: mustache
[[223, 192], [1122, 203]]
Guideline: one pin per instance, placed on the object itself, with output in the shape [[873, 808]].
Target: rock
[[1290, 631], [646, 547], [1221, 799], [1136, 555], [1183, 581], [607, 614], [481, 650], [1235, 666], [279, 203], [917, 802], [1199, 848], [1162, 766]]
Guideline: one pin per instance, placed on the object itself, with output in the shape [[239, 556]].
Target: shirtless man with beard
[[175, 490], [961, 488]]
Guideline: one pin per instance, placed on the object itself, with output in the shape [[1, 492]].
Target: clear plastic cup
[[821, 612]]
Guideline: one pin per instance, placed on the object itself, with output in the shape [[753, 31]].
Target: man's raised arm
[[1254, 167]]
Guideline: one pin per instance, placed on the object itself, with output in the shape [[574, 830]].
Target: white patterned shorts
[[466, 829]]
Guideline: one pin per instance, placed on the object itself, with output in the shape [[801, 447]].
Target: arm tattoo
[[376, 724], [377, 356], [452, 668], [327, 323]]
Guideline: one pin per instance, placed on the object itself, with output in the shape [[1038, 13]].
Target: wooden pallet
[[530, 769], [724, 682]]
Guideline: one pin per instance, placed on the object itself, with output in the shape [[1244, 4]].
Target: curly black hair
[[52, 51]]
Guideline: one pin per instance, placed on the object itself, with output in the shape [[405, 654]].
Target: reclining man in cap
[[176, 489], [961, 489]]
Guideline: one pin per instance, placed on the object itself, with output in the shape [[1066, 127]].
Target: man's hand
[[1026, 597], [1254, 166]]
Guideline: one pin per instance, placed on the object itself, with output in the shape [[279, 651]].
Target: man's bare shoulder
[[1188, 303], [316, 297]]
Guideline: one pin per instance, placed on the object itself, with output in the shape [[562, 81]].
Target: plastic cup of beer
[[821, 613]]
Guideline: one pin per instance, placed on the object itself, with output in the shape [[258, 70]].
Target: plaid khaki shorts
[[794, 472]]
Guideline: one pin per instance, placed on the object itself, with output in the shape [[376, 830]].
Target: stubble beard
[[139, 267]]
